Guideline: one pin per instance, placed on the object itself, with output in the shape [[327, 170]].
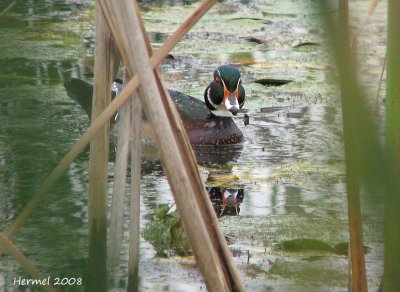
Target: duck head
[[225, 95]]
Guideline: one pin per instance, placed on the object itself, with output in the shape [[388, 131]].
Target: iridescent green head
[[225, 95]]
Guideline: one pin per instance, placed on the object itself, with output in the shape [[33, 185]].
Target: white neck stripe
[[222, 113], [209, 99]]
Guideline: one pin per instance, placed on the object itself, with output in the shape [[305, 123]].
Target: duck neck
[[220, 118]]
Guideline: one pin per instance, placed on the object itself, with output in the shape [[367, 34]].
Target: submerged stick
[[103, 118], [25, 263]]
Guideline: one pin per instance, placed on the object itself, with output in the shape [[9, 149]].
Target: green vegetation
[[166, 233]]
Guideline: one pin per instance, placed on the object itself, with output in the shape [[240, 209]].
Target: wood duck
[[206, 123], [226, 201]]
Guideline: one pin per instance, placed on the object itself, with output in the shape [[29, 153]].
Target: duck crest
[[230, 75], [225, 95]]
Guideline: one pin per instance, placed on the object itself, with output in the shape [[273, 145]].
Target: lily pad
[[306, 44], [273, 81], [342, 248], [265, 21], [254, 40], [303, 244], [271, 109], [307, 244], [295, 115], [306, 47]]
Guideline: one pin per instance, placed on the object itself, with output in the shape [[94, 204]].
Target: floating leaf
[[265, 21], [342, 248], [273, 82], [254, 40], [306, 244], [306, 44], [278, 14], [303, 244], [306, 47], [295, 115], [271, 109]]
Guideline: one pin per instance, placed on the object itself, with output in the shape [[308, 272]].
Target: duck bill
[[231, 103]]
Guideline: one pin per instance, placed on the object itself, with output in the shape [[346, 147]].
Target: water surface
[[286, 182]]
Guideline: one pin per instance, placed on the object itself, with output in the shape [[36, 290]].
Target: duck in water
[[206, 123]]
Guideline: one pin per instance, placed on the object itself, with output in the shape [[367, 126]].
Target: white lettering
[[21, 281]]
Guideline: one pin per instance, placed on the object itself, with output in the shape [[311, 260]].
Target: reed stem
[[199, 219], [119, 185], [102, 119]]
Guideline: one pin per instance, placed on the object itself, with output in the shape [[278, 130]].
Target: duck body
[[203, 127], [206, 123]]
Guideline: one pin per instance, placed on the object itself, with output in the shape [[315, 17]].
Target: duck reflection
[[216, 155], [226, 201]]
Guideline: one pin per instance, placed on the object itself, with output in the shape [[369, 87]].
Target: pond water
[[286, 182]]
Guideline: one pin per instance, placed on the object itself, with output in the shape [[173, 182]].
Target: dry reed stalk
[[119, 185], [103, 118], [136, 149], [358, 272], [218, 236], [380, 80], [26, 264], [176, 154], [380, 171], [371, 9], [106, 60], [134, 223]]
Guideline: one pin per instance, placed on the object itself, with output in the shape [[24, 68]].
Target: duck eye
[[218, 81]]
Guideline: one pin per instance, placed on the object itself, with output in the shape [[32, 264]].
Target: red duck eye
[[218, 81]]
